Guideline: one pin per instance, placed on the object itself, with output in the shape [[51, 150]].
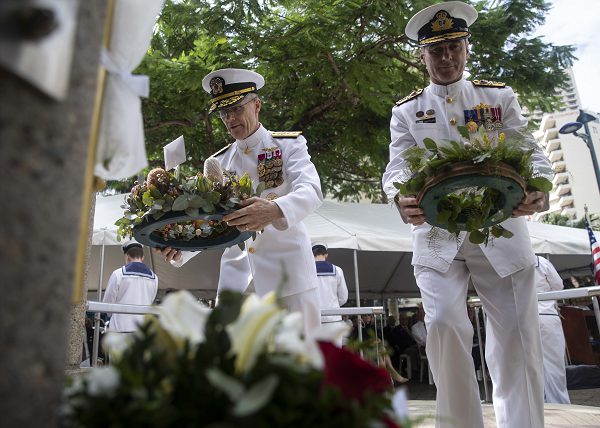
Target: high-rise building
[[575, 184], [569, 97]]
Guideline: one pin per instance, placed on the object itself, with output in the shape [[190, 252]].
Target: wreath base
[[461, 175], [146, 233]]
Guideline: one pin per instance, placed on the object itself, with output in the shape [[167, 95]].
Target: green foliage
[[163, 383], [469, 208], [332, 70], [563, 220], [151, 200]]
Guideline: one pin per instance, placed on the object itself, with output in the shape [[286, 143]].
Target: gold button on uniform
[[449, 99], [453, 121], [251, 250]]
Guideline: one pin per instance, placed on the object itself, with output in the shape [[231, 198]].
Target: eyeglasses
[[439, 49], [235, 110]]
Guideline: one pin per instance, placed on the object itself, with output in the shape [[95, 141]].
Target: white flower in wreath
[[116, 343], [102, 381], [183, 317], [252, 330], [289, 339]]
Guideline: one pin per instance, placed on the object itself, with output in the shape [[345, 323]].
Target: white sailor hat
[[130, 244], [441, 22], [319, 244], [229, 86]]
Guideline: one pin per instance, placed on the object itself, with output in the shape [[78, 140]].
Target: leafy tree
[[333, 69], [563, 220]]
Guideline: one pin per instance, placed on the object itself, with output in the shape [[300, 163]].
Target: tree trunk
[[43, 151]]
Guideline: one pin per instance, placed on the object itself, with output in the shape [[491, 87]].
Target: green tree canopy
[[333, 69]]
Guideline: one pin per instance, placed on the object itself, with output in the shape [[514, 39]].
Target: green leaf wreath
[[475, 203], [163, 192]]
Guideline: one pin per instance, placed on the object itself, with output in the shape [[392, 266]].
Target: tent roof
[[381, 240]]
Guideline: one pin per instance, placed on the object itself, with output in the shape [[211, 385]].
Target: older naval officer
[[292, 192], [503, 272]]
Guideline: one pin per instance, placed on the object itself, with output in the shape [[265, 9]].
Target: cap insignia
[[442, 22], [413, 94], [216, 85]]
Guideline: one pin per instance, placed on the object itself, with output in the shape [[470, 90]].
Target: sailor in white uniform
[[280, 257], [553, 337], [503, 272], [333, 292], [133, 284]]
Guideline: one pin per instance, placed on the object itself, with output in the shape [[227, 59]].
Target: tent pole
[[95, 346], [357, 290]]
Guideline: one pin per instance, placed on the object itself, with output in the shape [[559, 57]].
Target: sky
[[576, 22]]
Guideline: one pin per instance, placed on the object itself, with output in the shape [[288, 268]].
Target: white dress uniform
[[333, 291], [502, 272], [280, 258], [132, 284], [553, 338]]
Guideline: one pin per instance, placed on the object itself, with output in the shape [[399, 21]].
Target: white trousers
[[513, 345], [308, 303], [553, 345]]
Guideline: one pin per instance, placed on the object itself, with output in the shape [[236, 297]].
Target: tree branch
[[182, 122]]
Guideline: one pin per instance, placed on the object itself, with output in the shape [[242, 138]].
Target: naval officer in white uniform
[[280, 257], [503, 272], [553, 337]]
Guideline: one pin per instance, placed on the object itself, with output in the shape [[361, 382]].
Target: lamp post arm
[[590, 144]]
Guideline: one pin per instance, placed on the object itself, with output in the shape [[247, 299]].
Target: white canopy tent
[[368, 241]]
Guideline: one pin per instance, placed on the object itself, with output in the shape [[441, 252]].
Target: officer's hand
[[532, 202], [256, 214], [169, 254], [409, 210]]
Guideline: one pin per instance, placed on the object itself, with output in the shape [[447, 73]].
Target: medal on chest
[[484, 114], [270, 165]]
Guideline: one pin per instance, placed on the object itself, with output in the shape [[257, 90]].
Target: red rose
[[351, 374]]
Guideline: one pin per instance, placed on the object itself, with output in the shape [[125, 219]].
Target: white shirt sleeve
[[112, 289], [342, 289], [305, 195]]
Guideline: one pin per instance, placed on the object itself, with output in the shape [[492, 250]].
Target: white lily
[[116, 343], [250, 332], [102, 381], [183, 316]]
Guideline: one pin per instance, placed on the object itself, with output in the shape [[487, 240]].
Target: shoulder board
[[223, 150], [413, 94], [488, 83], [286, 134]]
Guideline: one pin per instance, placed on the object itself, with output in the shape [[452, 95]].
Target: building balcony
[[556, 155], [550, 134], [559, 166], [552, 145], [548, 122], [566, 201], [561, 189], [569, 212], [560, 178]]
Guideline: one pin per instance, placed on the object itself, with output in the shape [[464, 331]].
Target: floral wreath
[[500, 173]]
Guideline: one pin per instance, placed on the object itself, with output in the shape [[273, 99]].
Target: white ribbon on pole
[[121, 151]]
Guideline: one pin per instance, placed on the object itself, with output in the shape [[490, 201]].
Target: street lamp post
[[572, 128]]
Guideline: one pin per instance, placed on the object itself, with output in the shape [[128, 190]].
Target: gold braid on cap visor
[[443, 37], [229, 98]]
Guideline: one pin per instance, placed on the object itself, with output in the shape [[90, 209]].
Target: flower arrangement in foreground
[[476, 208], [163, 193], [243, 364]]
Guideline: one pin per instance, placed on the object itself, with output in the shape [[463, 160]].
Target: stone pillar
[[76, 332], [43, 152]]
